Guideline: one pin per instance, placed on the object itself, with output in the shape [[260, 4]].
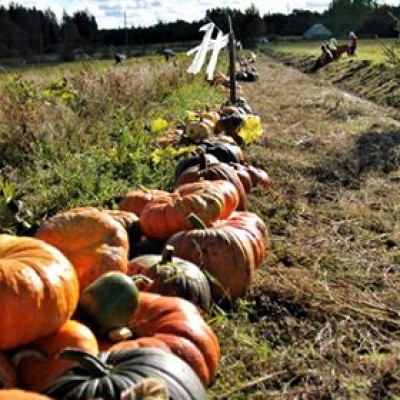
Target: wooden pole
[[232, 64]]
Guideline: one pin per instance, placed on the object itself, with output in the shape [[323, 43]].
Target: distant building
[[317, 31]]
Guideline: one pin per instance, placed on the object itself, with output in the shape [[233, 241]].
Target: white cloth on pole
[[219, 43], [200, 56]]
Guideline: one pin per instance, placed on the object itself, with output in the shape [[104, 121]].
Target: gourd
[[110, 300], [173, 276], [38, 290], [19, 394]]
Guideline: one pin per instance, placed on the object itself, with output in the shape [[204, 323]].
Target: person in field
[[352, 44], [325, 58]]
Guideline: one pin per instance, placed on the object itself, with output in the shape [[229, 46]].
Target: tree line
[[28, 32]]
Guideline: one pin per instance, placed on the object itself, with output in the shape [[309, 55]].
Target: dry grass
[[326, 303]]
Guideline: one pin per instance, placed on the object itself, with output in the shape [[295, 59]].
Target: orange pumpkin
[[174, 324], [8, 375], [226, 252], [92, 240], [38, 290], [212, 172], [18, 394], [38, 365], [164, 216], [137, 199]]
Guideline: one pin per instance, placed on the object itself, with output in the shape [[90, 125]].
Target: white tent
[[317, 31]]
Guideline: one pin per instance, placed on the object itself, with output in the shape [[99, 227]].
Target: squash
[[39, 290], [92, 240], [244, 176], [19, 394], [38, 364], [8, 374], [136, 200], [174, 324], [226, 252], [110, 374], [212, 172], [110, 300], [173, 276]]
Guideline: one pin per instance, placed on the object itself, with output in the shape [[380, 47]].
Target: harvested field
[[323, 318]]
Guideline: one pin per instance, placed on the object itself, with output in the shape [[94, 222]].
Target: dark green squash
[[173, 276], [109, 374], [109, 301]]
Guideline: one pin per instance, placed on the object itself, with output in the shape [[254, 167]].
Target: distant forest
[[28, 32]]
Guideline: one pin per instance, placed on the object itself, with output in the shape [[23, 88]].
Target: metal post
[[232, 66]]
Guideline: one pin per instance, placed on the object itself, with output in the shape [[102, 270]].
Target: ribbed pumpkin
[[259, 176], [164, 216], [255, 229], [225, 252], [38, 290], [110, 300], [8, 375], [227, 189], [38, 364], [212, 172], [175, 324], [172, 276], [110, 374], [92, 240], [18, 394], [136, 200]]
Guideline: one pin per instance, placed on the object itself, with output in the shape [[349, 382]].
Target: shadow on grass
[[372, 151]]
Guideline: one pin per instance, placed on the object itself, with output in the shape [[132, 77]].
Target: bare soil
[[322, 320]]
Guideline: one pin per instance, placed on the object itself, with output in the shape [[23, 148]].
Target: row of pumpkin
[[74, 324]]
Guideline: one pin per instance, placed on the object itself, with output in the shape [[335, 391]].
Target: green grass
[[368, 49], [61, 123]]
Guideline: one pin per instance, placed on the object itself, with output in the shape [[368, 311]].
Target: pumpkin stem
[[202, 161], [87, 361], [167, 254], [196, 221]]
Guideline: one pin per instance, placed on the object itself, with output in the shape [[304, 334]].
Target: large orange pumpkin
[[38, 365], [18, 394], [8, 375], [38, 290], [174, 324], [212, 172], [136, 200], [92, 240], [164, 216], [226, 252]]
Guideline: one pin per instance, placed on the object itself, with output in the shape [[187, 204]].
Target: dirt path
[[326, 302]]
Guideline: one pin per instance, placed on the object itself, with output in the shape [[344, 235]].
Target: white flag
[[200, 56], [219, 43]]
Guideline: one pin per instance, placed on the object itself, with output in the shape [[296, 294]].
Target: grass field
[[368, 49]]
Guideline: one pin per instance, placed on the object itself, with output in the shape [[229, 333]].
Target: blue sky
[[110, 13]]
